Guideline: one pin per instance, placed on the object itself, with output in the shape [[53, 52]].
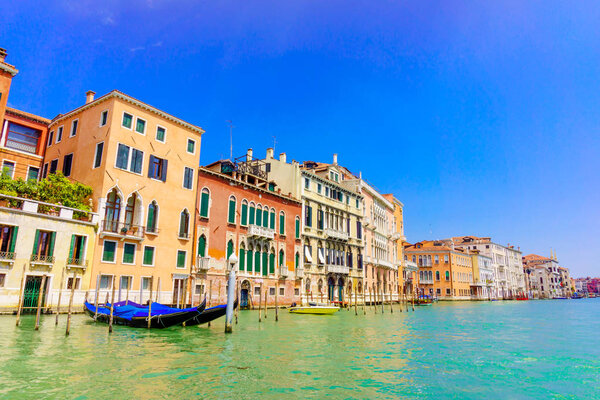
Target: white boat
[[315, 308]]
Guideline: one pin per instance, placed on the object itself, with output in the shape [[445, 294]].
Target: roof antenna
[[230, 138], [274, 143]]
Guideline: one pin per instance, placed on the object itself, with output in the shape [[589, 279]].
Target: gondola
[[135, 315], [210, 314]]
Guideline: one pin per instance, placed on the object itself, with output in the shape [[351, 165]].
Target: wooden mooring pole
[[391, 300], [112, 307], [70, 304], [276, 305], [238, 297], [39, 304], [21, 295], [355, 301], [209, 296], [266, 291], [62, 276], [150, 302], [96, 298], [260, 303]]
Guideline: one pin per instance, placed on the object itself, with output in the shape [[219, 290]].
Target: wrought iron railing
[[79, 262], [122, 228], [42, 259], [7, 255]]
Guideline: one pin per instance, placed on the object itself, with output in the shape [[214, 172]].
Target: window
[[258, 215], [50, 138], [436, 259], [184, 223], [8, 238], [230, 249], [191, 146], [357, 204], [109, 251], [437, 275], [447, 275], [53, 166], [319, 219], [358, 230], [244, 219], [157, 169], [188, 178], [272, 219], [105, 281], [447, 292], [140, 126], [59, 134], [281, 258], [145, 283], [231, 213], [161, 134], [77, 250], [127, 120], [308, 216], [297, 228], [98, 154], [202, 246], [125, 282], [282, 223], [2, 279], [148, 256], [67, 164], [8, 168], [181, 254], [266, 217], [319, 187], [43, 245], [128, 253], [446, 259], [306, 183], [251, 214], [104, 118], [74, 125], [70, 283], [282, 291], [204, 201], [129, 159], [22, 138], [271, 291], [152, 220]]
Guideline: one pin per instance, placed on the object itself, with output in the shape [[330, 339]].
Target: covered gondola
[[135, 315], [210, 314]]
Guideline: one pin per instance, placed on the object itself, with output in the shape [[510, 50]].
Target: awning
[[307, 255], [321, 256]]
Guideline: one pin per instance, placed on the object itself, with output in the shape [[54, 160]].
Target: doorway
[[32, 291]]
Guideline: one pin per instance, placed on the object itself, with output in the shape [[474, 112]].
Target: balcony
[[411, 266], [338, 235], [283, 271], [426, 281], [299, 273], [42, 260], [261, 232], [337, 269], [202, 264], [7, 256], [121, 230], [77, 263], [396, 236]]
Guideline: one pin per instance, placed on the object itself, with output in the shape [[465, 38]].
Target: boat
[[314, 308], [135, 315], [210, 314], [523, 298], [559, 298]]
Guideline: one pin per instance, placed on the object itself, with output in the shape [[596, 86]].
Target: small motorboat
[[315, 308], [210, 314], [135, 315]]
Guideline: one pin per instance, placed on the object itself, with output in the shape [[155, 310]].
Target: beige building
[[52, 245], [141, 164]]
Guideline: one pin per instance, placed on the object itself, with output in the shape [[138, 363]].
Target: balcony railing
[[48, 209], [337, 269], [426, 281], [283, 271], [122, 229], [261, 232], [202, 264], [7, 256], [77, 262], [41, 259], [299, 273], [332, 233]]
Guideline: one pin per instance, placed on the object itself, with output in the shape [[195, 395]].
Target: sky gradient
[[481, 117]]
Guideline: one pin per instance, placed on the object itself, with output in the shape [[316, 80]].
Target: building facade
[[141, 164], [241, 211], [546, 279], [482, 287]]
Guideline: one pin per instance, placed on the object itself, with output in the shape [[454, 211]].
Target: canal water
[[491, 350]]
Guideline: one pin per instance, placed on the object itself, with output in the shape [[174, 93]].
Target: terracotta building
[[141, 164], [242, 211]]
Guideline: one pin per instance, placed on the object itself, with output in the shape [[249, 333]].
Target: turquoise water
[[497, 350]]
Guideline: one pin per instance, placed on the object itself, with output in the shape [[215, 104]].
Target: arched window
[[420, 261], [297, 227], [320, 285], [259, 215], [266, 217], [152, 221], [204, 202], [249, 259], [244, 220], [112, 211], [231, 213], [130, 210], [229, 249], [281, 223], [272, 262], [202, 246], [265, 260], [308, 290], [296, 261], [281, 258], [251, 213], [257, 260], [447, 275], [184, 224], [359, 287], [242, 257], [272, 219]]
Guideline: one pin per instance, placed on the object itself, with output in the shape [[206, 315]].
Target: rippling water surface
[[497, 350]]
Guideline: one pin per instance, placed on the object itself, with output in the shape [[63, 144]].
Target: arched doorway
[[341, 289], [245, 294], [330, 288]]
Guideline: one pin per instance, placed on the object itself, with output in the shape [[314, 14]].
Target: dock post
[[21, 295], [238, 296], [96, 297], [39, 304], [62, 280], [260, 303], [158, 291], [266, 291], [127, 291], [209, 297], [399, 298], [382, 298], [355, 301], [150, 302], [112, 306], [231, 293], [413, 301], [276, 305], [391, 305], [70, 305]]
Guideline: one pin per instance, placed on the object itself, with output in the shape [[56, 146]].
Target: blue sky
[[481, 117]]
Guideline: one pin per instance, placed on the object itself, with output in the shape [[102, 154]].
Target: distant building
[[482, 287], [545, 278]]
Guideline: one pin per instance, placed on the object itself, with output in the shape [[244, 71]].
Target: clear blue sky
[[482, 117]]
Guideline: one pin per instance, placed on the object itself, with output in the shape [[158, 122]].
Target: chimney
[[89, 96], [282, 157], [269, 153], [335, 159], [2, 54], [249, 155]]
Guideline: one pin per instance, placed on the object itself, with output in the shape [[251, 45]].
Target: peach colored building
[[142, 166], [22, 135], [242, 211]]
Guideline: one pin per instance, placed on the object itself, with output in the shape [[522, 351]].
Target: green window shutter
[[51, 248], [251, 216], [150, 225], [272, 221], [202, 246], [229, 249], [280, 259], [36, 242], [181, 258], [265, 218], [281, 224], [297, 228], [258, 217], [257, 261], [148, 255], [83, 246], [242, 259], [73, 238], [231, 215], [249, 260], [244, 214], [204, 199], [13, 239], [271, 263], [264, 264], [296, 261]]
